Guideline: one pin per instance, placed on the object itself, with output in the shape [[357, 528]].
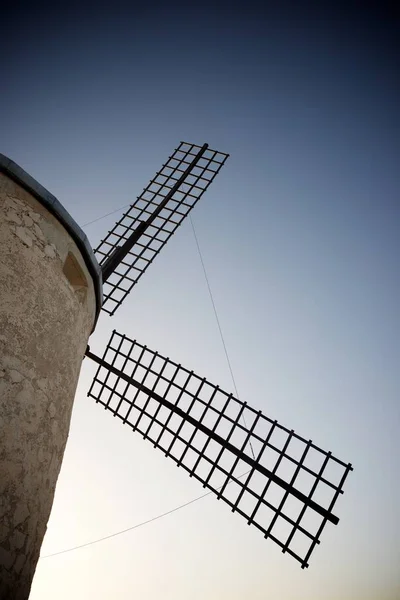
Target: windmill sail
[[136, 239], [280, 482]]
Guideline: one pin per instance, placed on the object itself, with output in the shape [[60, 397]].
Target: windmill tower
[[281, 483], [50, 297]]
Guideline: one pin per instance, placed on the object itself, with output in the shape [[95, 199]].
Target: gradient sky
[[300, 237]]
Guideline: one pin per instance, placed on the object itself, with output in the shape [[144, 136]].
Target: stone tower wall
[[47, 311]]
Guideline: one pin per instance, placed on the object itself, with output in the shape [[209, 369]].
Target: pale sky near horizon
[[300, 238]]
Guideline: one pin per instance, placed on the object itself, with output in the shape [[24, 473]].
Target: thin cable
[[107, 215], [107, 537], [218, 323]]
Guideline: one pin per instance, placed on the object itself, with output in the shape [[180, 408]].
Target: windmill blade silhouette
[[136, 239], [286, 486]]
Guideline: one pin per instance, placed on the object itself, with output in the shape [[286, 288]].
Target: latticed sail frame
[[281, 483], [180, 183]]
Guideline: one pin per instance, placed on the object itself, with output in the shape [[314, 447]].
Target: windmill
[[53, 288], [281, 483]]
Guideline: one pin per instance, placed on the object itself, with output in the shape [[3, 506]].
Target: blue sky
[[299, 235]]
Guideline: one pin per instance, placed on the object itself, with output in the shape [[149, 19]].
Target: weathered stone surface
[[17, 540], [42, 384], [34, 216], [15, 200], [15, 376], [21, 513], [38, 232], [9, 203], [11, 215], [6, 558], [24, 234], [27, 220], [50, 251], [44, 327], [19, 563]]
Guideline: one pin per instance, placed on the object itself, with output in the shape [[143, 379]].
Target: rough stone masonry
[[49, 299]]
